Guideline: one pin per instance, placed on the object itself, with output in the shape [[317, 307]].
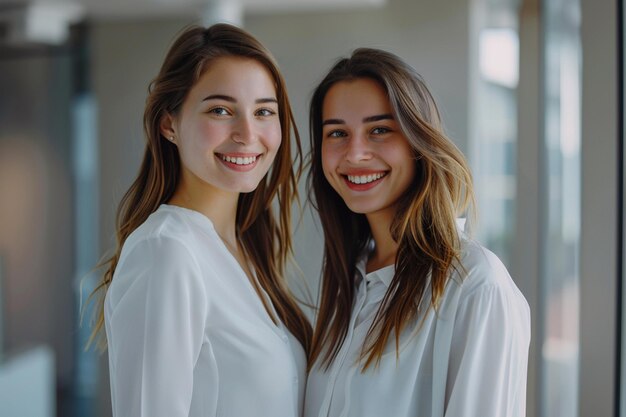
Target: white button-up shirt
[[467, 360], [187, 333]]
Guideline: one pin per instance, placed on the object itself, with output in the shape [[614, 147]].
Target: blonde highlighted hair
[[424, 225]]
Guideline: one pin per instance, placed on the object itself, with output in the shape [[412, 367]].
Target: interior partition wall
[[598, 393]]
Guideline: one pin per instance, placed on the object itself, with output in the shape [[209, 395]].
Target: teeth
[[364, 179], [239, 160]]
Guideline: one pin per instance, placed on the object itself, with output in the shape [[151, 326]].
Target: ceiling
[[25, 22], [130, 9]]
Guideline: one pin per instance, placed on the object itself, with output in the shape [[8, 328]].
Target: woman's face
[[228, 130], [365, 156]]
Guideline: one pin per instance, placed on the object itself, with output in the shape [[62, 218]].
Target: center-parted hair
[[264, 237], [424, 224]]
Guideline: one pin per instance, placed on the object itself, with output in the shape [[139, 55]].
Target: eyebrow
[[234, 100], [378, 117], [368, 119]]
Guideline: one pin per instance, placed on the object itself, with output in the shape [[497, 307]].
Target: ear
[[167, 126]]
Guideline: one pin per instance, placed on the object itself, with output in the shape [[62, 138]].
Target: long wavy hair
[[424, 223], [264, 237]]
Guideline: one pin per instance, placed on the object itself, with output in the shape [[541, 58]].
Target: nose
[[243, 130], [358, 149]]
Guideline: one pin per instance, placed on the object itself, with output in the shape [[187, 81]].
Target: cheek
[[273, 136], [408, 172], [202, 137], [329, 161], [402, 154]]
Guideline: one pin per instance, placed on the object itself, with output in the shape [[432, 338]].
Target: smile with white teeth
[[238, 160], [364, 179]]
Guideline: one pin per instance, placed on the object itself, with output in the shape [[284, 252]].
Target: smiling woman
[[227, 134], [415, 318], [195, 296], [364, 146]]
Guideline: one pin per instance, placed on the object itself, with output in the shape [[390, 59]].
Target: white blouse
[[187, 333], [469, 360]]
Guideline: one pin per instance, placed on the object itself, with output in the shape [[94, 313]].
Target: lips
[[246, 160], [362, 181], [239, 162]]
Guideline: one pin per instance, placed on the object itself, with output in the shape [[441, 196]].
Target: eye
[[219, 111], [380, 130], [336, 134], [265, 112]]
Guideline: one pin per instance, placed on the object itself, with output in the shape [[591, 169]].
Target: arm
[[155, 326], [489, 354]]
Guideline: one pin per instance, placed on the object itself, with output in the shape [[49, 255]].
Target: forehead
[[232, 75], [360, 97]]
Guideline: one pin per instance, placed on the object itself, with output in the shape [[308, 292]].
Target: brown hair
[[424, 224], [264, 237]]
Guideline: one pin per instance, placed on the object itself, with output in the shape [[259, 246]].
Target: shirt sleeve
[[155, 329], [489, 355]]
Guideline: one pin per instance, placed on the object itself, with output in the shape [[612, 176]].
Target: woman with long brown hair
[[199, 320], [415, 318]]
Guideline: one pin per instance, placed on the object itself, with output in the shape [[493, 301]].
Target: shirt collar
[[460, 224], [385, 274]]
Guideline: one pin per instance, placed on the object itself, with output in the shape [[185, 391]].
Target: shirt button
[[285, 338], [295, 380]]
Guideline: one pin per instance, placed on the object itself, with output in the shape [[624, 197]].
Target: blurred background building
[[530, 90]]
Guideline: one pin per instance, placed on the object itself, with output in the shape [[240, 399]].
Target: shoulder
[[480, 266], [165, 240], [481, 272], [166, 225], [158, 253], [483, 293]]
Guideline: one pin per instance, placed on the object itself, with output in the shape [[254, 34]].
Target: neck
[[386, 247], [218, 205]]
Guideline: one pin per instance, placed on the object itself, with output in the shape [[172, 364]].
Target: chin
[[247, 188], [361, 208]]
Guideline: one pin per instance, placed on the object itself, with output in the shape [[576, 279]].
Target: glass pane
[[495, 134], [561, 199]]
